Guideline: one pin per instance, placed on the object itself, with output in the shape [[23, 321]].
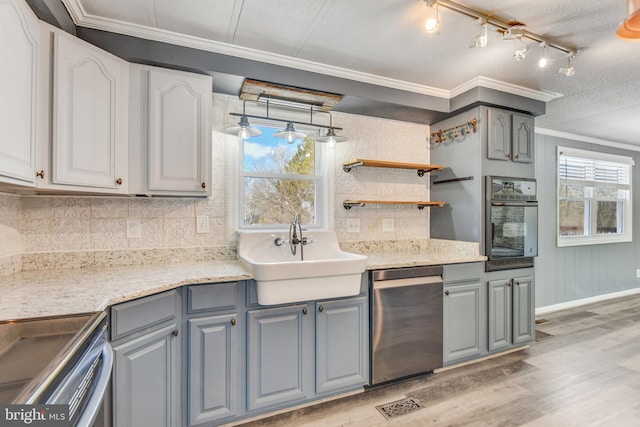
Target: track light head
[[432, 21], [481, 39], [520, 54], [543, 60], [568, 70]]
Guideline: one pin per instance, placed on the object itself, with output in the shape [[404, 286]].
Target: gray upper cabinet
[[511, 312], [342, 344], [146, 380], [279, 356], [214, 368], [509, 136]]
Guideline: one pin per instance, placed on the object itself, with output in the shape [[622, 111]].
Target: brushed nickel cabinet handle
[[40, 174]]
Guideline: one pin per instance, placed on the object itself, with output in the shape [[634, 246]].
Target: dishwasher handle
[[412, 281]]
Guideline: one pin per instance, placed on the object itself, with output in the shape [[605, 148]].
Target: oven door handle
[[95, 402], [523, 204]]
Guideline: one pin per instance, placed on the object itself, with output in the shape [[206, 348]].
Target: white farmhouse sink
[[281, 277]]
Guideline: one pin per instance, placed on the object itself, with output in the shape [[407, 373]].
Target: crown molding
[[83, 19], [586, 139]]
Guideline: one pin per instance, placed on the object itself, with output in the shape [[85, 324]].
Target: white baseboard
[[584, 301]]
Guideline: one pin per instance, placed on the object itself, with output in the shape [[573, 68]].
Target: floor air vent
[[542, 335], [399, 407]]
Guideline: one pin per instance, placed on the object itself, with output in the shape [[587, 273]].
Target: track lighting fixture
[[512, 29], [481, 39], [432, 21], [243, 129], [543, 60], [290, 134], [568, 70]]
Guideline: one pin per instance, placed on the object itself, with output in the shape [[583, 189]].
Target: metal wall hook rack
[[466, 128]]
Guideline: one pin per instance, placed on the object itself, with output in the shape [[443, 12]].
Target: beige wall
[[31, 224]]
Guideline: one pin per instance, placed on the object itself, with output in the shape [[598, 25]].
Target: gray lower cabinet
[[280, 356], [511, 313], [214, 368], [500, 314], [146, 379], [342, 344], [464, 318]]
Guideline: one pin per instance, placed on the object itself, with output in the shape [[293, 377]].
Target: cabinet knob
[[233, 322], [204, 185], [175, 332], [40, 174], [304, 311], [517, 283], [509, 283], [508, 155], [446, 292], [516, 156], [119, 181], [321, 308]]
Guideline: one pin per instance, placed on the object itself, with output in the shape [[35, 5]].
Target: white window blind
[[594, 197]]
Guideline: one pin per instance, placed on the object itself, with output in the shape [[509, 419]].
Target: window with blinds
[[594, 197]]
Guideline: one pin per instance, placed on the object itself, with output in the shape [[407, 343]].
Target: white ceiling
[[384, 41]]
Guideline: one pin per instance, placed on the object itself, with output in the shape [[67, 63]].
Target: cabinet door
[[18, 82], [523, 310], [463, 312], [342, 347], [90, 116], [498, 134], [146, 380], [279, 356], [499, 314], [522, 139], [214, 368], [179, 135]]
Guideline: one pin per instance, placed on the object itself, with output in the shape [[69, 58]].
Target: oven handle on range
[[95, 402], [524, 204]]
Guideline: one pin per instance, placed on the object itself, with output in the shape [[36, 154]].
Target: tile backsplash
[[46, 224]]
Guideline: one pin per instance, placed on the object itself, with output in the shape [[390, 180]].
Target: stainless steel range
[[511, 234]]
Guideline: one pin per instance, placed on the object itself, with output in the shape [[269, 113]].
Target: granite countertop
[[62, 291], [57, 292]]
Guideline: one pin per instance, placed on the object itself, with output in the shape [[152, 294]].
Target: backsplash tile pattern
[[76, 231]]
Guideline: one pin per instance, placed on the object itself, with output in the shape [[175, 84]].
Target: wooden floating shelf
[[421, 168], [348, 204]]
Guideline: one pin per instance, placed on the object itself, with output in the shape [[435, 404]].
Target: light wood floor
[[586, 374]]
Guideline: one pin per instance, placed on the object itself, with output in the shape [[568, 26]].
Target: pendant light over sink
[[243, 129], [290, 134]]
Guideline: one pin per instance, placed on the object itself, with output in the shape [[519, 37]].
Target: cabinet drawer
[[462, 272], [133, 316], [216, 296]]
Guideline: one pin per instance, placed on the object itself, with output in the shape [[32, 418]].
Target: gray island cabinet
[[236, 358]]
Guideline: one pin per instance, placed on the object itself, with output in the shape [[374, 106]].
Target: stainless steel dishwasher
[[406, 322]]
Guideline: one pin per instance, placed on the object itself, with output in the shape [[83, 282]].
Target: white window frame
[[325, 158], [627, 205]]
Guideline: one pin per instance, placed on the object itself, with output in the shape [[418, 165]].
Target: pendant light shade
[[243, 129], [630, 29], [290, 134], [331, 137]]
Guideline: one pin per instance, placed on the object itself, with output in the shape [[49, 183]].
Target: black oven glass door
[[514, 230]]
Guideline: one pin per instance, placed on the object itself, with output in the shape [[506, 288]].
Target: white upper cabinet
[[85, 147], [19, 37], [170, 132]]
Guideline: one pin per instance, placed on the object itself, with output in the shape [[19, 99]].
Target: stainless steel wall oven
[[511, 234]]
